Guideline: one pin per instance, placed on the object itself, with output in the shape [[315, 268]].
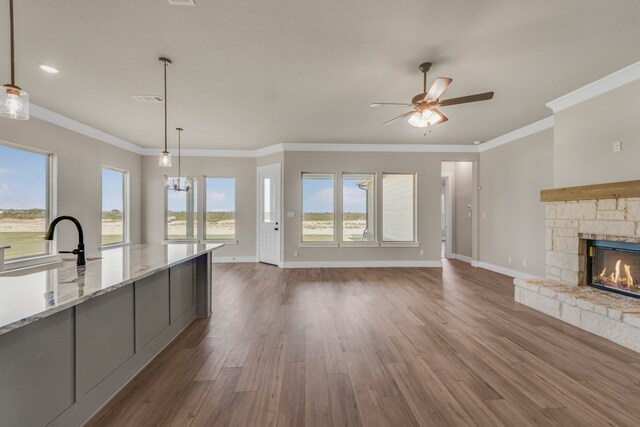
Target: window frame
[[50, 253], [330, 243], [235, 210], [397, 243], [363, 243], [125, 207], [165, 191]]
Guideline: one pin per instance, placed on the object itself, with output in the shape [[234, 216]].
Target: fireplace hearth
[[613, 266]]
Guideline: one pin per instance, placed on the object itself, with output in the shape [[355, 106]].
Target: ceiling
[[252, 73]]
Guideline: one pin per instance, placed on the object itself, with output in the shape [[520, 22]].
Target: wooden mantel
[[612, 190]]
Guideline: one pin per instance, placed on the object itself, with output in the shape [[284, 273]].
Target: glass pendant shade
[[14, 103], [165, 159], [424, 119], [179, 183]]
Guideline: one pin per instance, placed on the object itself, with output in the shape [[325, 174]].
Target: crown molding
[[382, 148], [75, 126], [517, 134], [603, 85]]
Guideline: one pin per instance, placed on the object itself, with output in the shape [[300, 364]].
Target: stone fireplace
[[592, 238]]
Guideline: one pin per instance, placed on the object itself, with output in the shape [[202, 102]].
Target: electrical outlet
[[617, 146], [484, 214], [421, 251], [524, 262], [509, 260], [295, 253]]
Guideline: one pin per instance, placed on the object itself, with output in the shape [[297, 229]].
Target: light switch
[[617, 146], [291, 214]]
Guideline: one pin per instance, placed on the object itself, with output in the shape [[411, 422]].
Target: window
[[220, 200], [398, 207], [24, 202], [181, 210], [358, 208], [318, 216], [114, 202]]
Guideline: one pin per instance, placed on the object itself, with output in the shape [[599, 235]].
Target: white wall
[[584, 135], [512, 218], [79, 177]]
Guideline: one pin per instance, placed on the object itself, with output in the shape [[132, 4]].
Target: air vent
[[182, 2], [147, 98]]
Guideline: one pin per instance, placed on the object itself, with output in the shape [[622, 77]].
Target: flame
[[604, 270], [627, 272], [617, 276]]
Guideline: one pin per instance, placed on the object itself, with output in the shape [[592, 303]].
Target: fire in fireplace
[[614, 266]]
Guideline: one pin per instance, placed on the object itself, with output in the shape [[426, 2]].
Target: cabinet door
[[152, 307], [105, 328], [37, 371], [182, 289]]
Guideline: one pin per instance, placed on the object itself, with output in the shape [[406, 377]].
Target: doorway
[[269, 224], [446, 214]]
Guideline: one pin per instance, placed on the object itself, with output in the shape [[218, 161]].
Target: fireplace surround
[[588, 230]]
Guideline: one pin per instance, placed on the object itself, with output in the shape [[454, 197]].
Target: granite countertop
[[27, 298]]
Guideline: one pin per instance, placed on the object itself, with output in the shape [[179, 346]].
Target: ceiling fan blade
[[408, 113], [437, 88], [443, 117], [465, 99], [382, 104]]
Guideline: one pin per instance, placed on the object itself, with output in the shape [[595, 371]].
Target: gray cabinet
[[37, 371], [152, 307], [105, 328], [182, 289]]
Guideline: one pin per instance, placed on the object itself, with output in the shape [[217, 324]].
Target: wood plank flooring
[[378, 347]]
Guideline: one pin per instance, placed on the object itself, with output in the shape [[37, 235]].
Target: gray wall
[[584, 135], [427, 166], [242, 168], [79, 177], [512, 218]]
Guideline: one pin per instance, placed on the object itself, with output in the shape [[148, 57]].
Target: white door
[[269, 226]]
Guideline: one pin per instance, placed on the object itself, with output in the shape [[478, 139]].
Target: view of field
[[112, 227], [220, 225], [23, 230], [318, 226]]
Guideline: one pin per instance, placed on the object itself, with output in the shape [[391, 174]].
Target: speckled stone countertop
[[26, 298]]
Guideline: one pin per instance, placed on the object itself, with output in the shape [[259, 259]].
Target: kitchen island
[[71, 337]]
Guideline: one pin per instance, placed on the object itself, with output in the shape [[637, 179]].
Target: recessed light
[[477, 142], [49, 69]]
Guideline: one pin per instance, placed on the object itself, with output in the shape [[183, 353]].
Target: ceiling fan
[[424, 113]]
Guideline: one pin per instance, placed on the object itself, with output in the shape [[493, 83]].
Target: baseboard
[[505, 271], [360, 264], [225, 259], [463, 258]]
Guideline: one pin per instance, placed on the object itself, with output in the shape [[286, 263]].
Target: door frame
[[447, 178], [273, 166]]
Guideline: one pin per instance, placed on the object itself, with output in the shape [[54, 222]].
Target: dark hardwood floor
[[379, 347]]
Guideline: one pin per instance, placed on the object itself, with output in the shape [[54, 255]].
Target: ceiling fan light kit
[[14, 102], [424, 113]]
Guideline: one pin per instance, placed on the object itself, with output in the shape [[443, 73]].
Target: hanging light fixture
[[165, 156], [14, 102], [179, 183]]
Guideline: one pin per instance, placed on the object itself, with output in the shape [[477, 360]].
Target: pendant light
[[165, 156], [180, 183], [14, 102]]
